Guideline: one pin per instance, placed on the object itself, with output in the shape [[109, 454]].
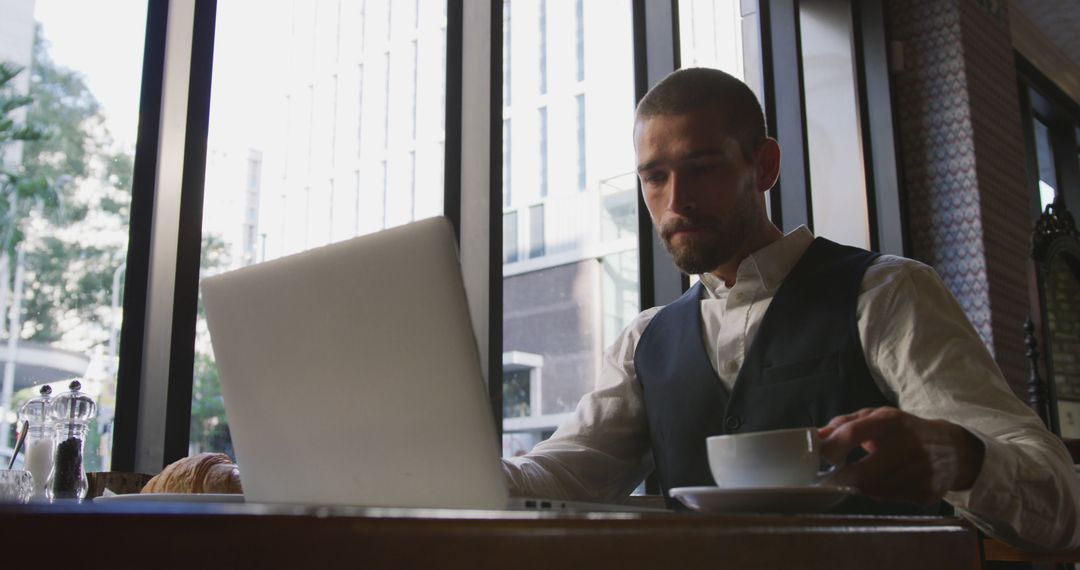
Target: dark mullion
[[1063, 141], [189, 242], [785, 110], [1031, 154], [885, 202], [495, 208], [452, 134], [137, 275], [656, 54], [1061, 115]]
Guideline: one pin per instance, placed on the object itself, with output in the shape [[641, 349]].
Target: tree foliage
[[73, 196], [209, 428], [73, 255], [64, 204], [20, 188]]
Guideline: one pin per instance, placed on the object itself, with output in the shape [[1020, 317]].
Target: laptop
[[351, 376]]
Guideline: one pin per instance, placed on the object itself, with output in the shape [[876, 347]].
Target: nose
[[681, 197]]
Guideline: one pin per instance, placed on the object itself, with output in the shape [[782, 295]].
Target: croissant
[[202, 473]]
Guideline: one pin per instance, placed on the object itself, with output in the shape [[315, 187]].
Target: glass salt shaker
[[39, 438], [71, 413]]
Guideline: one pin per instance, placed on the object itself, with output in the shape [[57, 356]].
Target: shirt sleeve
[[920, 344], [602, 453]]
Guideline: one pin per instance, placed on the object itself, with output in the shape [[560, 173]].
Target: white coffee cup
[[779, 458]]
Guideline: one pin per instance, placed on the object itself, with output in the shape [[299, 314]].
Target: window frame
[[1040, 98], [148, 436]]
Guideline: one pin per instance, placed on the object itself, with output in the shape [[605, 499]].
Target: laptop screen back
[[350, 375]]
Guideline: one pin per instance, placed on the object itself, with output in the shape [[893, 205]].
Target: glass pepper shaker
[[39, 438], [71, 413]]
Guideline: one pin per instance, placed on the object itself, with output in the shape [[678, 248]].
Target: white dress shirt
[[923, 354]]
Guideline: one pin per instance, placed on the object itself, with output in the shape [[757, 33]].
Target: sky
[[111, 62], [103, 40]]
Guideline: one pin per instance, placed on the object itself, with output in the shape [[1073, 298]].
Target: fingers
[[864, 428], [840, 420], [911, 459]]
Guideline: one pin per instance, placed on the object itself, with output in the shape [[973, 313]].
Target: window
[[542, 13], [822, 107], [558, 301], [536, 231], [510, 237], [1044, 152], [63, 269], [542, 148], [359, 107], [412, 185], [579, 37], [385, 194], [580, 100], [294, 56], [522, 402], [508, 163], [833, 129], [251, 206], [1052, 142], [283, 84], [412, 89], [516, 388], [710, 33]]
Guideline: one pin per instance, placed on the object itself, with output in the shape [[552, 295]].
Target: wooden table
[[174, 535], [996, 550]]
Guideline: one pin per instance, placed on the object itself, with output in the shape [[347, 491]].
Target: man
[[789, 330]]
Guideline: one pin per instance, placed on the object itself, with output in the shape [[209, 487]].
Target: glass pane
[[536, 230], [833, 130], [573, 205], [1044, 152], [510, 233], [711, 35], [342, 103], [724, 35], [63, 253]]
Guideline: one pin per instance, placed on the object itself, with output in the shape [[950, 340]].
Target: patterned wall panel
[[963, 162]]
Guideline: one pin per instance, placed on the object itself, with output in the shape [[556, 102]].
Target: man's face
[[702, 193]]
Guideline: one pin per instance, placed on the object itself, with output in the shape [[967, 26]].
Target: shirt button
[[733, 423], [740, 297], [732, 366]]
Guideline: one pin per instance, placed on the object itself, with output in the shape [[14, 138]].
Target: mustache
[[669, 228]]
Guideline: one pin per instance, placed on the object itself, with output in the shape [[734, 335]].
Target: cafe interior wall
[[963, 162]]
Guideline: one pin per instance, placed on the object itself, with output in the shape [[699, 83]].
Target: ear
[[767, 164]]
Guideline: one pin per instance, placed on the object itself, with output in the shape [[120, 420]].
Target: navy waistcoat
[[805, 366]]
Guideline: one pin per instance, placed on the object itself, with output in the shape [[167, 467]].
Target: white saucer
[[173, 498], [804, 499]]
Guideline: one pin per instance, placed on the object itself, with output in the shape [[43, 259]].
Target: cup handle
[[826, 477]]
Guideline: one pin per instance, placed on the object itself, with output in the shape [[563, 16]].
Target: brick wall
[[963, 163]]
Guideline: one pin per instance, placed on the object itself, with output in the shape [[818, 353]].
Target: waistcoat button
[[733, 423]]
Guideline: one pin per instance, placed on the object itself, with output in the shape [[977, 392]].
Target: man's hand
[[910, 459]]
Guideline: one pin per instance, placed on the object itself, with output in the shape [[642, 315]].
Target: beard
[[721, 240]]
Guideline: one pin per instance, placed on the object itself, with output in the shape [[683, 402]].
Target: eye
[[653, 178]]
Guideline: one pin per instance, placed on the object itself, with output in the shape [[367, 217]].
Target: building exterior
[[346, 137]]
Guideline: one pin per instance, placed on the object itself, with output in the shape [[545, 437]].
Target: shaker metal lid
[[36, 409], [74, 405]]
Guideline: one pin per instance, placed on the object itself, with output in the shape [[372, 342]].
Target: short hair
[[694, 88]]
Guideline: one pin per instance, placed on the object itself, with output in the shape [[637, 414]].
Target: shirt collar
[[771, 263]]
